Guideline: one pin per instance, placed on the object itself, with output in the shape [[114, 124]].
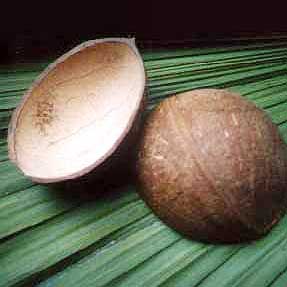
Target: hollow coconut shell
[[81, 116], [213, 166]]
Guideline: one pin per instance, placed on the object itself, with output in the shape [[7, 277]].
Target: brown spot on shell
[[44, 113]]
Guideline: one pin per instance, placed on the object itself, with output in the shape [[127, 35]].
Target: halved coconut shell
[[213, 166], [79, 112]]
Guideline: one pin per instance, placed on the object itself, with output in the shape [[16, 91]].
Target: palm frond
[[54, 238]]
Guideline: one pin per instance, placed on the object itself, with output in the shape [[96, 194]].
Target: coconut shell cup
[[213, 166], [81, 116]]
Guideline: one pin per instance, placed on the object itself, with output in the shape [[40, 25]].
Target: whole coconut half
[[213, 166], [80, 112]]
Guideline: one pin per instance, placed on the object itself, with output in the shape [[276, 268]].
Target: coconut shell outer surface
[[213, 166], [115, 163]]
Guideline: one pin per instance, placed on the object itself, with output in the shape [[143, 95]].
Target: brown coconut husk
[[213, 166]]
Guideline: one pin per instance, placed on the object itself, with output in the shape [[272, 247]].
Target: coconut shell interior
[[78, 111]]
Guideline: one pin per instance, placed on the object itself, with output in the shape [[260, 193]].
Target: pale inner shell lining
[[78, 111]]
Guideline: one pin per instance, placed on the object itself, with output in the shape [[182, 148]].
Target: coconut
[[213, 166], [80, 113]]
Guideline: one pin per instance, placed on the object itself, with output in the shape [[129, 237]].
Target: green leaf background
[[50, 237]]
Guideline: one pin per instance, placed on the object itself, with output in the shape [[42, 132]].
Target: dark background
[[47, 29]]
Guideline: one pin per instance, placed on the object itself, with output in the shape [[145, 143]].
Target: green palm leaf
[[55, 237]]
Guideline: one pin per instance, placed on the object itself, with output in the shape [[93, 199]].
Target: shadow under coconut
[[91, 188]]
